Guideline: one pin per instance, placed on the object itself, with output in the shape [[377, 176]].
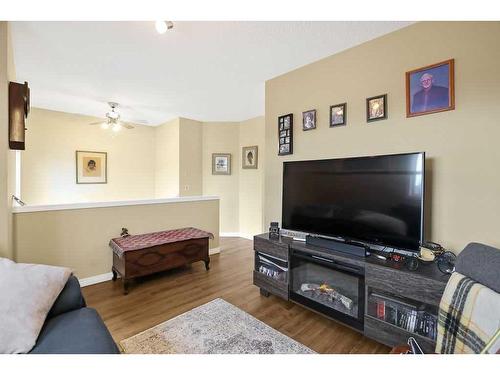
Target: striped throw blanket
[[469, 316]]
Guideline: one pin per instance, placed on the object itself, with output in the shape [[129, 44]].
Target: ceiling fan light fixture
[[105, 125], [116, 127], [163, 26]]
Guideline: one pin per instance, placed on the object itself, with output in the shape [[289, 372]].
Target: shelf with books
[[409, 315]]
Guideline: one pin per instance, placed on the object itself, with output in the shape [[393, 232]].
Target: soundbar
[[344, 247]]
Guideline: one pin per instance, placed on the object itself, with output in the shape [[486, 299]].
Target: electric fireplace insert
[[333, 288]]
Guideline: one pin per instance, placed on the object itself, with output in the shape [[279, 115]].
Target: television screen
[[377, 199]]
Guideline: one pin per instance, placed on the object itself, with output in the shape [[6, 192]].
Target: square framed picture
[[338, 115], [376, 108], [430, 89], [250, 157], [309, 120], [285, 134], [221, 163], [91, 167]]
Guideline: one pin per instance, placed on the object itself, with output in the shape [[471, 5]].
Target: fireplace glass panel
[[332, 288]]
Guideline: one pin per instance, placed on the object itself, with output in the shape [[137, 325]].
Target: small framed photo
[[221, 163], [309, 120], [376, 108], [338, 115], [285, 134], [284, 149], [286, 122], [430, 89], [91, 167], [250, 157]]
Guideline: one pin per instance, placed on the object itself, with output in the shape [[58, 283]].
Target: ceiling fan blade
[[97, 123], [127, 126]]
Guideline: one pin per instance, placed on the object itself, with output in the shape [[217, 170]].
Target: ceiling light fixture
[[163, 26]]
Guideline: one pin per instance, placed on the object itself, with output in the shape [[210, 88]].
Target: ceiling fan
[[112, 120]]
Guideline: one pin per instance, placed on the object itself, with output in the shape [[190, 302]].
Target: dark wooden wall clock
[[19, 107]]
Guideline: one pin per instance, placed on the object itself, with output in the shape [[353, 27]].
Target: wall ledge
[[84, 205]]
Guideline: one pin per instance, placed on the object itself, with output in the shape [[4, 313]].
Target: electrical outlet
[[186, 187]]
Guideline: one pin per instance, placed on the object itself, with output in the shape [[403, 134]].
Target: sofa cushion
[[70, 298], [27, 292], [481, 263], [79, 331]]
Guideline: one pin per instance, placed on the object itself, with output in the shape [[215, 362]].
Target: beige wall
[[190, 158], [461, 145], [222, 137], [79, 238], [251, 181], [49, 167], [166, 167], [7, 157], [173, 159]]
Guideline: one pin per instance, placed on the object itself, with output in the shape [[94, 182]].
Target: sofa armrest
[[69, 299]]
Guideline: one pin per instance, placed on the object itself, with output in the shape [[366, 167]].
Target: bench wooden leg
[[264, 293], [115, 275], [207, 264]]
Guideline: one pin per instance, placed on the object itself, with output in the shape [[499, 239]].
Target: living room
[[308, 187]]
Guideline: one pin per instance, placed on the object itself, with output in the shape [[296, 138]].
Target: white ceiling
[[208, 71]]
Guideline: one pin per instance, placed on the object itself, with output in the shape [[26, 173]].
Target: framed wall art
[[285, 134], [338, 115], [376, 108], [221, 164], [91, 167], [309, 120], [249, 157], [430, 89]]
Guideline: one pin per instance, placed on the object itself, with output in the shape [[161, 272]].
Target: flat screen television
[[375, 199]]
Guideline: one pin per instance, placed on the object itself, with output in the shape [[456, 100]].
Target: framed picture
[[430, 89], [338, 114], [250, 157], [221, 163], [376, 108], [309, 120], [91, 167], [285, 133]]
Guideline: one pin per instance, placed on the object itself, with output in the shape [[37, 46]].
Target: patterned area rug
[[216, 327]]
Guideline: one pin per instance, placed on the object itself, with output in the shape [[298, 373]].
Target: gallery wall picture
[[285, 134], [309, 120], [430, 89], [91, 167], [250, 157], [338, 115], [376, 108], [221, 164]]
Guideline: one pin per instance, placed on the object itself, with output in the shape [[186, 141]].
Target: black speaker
[[344, 247]]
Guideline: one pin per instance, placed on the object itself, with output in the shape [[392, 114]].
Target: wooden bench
[[146, 254]]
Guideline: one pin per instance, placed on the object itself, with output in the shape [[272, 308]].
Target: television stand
[[356, 249], [393, 303]]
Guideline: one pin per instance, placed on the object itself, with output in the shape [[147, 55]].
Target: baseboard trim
[[215, 250], [229, 234], [86, 281], [236, 234]]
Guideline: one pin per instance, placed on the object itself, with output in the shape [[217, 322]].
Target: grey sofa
[[73, 328]]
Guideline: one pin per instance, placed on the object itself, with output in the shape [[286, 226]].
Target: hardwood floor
[[157, 298]]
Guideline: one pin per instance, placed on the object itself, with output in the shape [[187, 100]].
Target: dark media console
[[381, 299]]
